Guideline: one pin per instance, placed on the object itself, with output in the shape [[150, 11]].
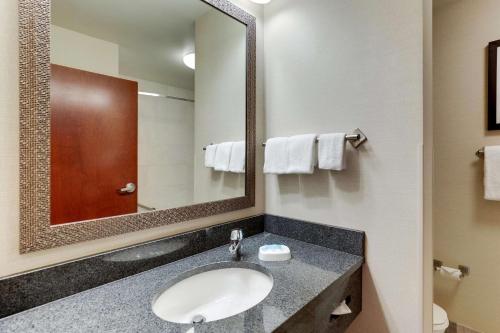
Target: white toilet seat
[[440, 320]]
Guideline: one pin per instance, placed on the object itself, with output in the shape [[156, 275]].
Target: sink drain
[[198, 319]]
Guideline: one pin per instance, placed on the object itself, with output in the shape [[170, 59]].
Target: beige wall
[[10, 260], [220, 89], [466, 227], [428, 163], [334, 65]]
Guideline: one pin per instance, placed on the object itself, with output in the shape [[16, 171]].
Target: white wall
[[166, 146], [10, 260], [73, 49], [334, 65], [466, 227], [220, 90], [166, 143]]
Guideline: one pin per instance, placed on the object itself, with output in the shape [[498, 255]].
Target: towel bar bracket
[[205, 148], [464, 269], [358, 140]]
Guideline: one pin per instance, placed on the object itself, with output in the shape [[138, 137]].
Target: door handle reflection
[[129, 188]]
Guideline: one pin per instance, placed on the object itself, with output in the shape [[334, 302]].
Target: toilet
[[439, 319]]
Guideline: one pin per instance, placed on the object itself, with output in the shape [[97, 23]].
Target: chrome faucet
[[235, 245]]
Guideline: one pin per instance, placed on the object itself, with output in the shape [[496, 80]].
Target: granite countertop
[[125, 305]]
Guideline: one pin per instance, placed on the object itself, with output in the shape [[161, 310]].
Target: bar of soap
[[274, 252]]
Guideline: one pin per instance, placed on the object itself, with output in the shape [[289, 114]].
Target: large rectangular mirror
[[136, 113]]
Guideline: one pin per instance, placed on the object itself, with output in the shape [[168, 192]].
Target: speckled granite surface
[[32, 289], [125, 305], [342, 239]]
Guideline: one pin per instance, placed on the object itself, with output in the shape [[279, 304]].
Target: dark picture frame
[[493, 93]]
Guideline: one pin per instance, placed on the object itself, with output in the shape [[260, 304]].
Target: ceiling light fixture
[[149, 94], [189, 60], [261, 2]]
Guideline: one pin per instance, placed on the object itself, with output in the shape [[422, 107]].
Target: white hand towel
[[210, 155], [276, 156], [223, 156], [492, 173], [237, 162], [301, 153], [331, 151]]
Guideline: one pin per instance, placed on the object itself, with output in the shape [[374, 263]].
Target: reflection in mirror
[[147, 251], [138, 89]]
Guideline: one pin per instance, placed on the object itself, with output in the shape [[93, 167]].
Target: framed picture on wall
[[493, 86]]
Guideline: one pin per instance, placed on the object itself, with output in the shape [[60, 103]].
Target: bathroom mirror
[[119, 100]]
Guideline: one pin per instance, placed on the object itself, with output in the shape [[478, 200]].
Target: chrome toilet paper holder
[[464, 269]]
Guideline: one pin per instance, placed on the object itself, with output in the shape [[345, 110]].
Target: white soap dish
[[274, 252]]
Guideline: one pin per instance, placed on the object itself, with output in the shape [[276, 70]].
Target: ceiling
[[153, 35]]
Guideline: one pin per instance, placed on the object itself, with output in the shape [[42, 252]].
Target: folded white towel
[[331, 151], [210, 155], [237, 161], [301, 153], [276, 156], [223, 156], [492, 173]]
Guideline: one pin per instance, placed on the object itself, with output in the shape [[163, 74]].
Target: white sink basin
[[212, 295]]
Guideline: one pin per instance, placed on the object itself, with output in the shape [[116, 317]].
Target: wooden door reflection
[[93, 145]]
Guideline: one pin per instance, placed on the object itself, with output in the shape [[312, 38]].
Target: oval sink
[[213, 294]]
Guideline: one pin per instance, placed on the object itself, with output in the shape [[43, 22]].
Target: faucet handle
[[236, 235]]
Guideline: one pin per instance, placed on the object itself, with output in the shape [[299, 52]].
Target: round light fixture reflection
[[189, 60], [262, 2]]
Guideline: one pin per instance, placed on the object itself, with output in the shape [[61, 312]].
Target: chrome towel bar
[[356, 138], [480, 153]]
